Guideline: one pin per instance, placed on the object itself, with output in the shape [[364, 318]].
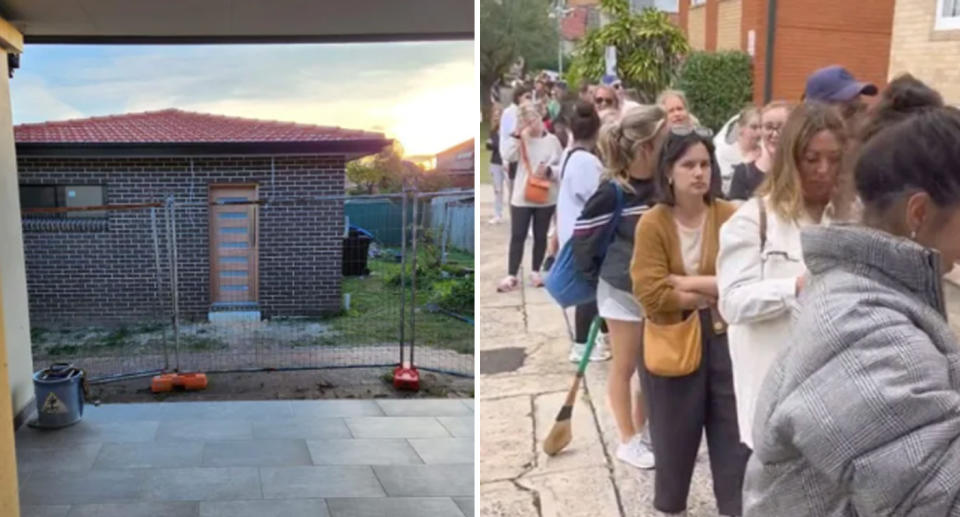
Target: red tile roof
[[176, 126]]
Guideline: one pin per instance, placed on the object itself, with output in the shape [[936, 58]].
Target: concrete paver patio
[[310, 458]]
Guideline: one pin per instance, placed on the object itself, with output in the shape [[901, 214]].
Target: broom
[[562, 432]]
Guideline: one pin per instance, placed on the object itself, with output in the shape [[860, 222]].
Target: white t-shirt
[[546, 150], [508, 123], [690, 244], [580, 180]]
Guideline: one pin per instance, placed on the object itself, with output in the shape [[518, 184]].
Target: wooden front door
[[233, 245]]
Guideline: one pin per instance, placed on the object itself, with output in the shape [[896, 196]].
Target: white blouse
[[757, 293]]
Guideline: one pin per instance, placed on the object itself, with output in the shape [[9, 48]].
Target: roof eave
[[349, 148]]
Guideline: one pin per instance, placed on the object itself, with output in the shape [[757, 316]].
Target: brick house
[[101, 265], [806, 35], [456, 163], [926, 43]]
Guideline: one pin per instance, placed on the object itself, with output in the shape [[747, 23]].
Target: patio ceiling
[[238, 21]]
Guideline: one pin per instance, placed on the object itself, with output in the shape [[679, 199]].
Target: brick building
[[926, 43], [278, 259], [457, 164], [806, 35]]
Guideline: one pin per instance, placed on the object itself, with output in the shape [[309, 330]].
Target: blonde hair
[[747, 113], [662, 98], [528, 111], [612, 92], [621, 140], [772, 105], [783, 183]]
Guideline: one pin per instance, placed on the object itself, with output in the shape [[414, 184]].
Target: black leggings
[[520, 217], [584, 317]]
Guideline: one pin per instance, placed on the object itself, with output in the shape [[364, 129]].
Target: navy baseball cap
[[836, 84]]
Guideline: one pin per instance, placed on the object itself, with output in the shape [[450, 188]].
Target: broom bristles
[[559, 437]]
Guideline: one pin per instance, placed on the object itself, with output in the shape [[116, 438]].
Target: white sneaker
[[576, 352], [601, 349], [495, 220], [636, 453], [600, 352]]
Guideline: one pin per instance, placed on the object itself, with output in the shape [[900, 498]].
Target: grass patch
[[200, 343], [374, 313]]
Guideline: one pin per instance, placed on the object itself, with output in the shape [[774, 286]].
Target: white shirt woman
[[760, 267]]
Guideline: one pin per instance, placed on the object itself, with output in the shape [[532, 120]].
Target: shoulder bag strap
[[763, 223], [563, 168], [617, 213]]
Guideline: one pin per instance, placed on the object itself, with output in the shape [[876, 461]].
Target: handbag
[[536, 190], [673, 350], [567, 283]]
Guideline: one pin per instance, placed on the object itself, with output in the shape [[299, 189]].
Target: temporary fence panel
[[239, 283], [98, 283]]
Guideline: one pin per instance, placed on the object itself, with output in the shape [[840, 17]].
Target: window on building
[[56, 196], [694, 3], [948, 15]]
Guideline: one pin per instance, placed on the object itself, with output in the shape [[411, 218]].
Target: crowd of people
[[781, 295]]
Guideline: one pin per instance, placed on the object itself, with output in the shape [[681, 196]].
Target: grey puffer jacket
[[860, 415]]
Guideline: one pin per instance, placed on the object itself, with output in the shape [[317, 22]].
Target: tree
[[650, 49], [510, 29], [382, 172]]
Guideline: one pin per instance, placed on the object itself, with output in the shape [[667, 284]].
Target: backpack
[[567, 283]]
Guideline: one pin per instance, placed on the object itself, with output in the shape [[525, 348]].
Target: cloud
[[393, 88], [35, 101]]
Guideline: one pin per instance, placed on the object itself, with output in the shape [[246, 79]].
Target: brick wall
[[815, 33], [931, 56], [729, 13], [697, 27], [105, 272]]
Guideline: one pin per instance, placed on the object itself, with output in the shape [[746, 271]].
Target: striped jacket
[[860, 413], [590, 232]]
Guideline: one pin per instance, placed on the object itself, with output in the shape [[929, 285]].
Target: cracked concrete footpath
[[524, 377]]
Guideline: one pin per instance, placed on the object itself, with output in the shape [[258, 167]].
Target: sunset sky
[[421, 94]]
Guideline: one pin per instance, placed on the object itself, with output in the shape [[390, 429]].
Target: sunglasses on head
[[702, 132], [603, 100]]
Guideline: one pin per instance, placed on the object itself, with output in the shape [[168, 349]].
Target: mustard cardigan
[[656, 255]]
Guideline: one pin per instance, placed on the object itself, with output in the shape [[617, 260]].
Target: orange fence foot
[[185, 381]]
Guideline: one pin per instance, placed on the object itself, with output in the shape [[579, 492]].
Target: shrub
[[455, 294], [717, 84]]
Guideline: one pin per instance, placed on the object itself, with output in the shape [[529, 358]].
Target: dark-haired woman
[[860, 413], [580, 172], [687, 377]]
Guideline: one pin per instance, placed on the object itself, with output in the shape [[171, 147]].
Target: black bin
[[355, 249]]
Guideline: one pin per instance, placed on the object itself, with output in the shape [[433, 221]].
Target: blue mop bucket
[[59, 393]]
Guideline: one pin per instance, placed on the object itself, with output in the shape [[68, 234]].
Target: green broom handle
[[591, 340]]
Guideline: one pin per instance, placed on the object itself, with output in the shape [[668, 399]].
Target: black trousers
[[520, 219], [583, 317], [679, 409]]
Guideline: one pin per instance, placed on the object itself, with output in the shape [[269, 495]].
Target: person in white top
[[760, 268], [508, 124], [537, 153], [580, 172], [745, 150]]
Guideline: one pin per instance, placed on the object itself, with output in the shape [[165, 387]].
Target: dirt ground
[[353, 383]]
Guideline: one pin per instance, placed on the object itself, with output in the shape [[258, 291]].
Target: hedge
[[717, 85]]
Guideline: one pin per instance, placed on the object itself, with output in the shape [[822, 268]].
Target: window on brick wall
[[948, 15], [56, 196], [694, 3]]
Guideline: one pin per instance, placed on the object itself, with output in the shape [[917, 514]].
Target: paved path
[[516, 408], [316, 458], [517, 404]]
